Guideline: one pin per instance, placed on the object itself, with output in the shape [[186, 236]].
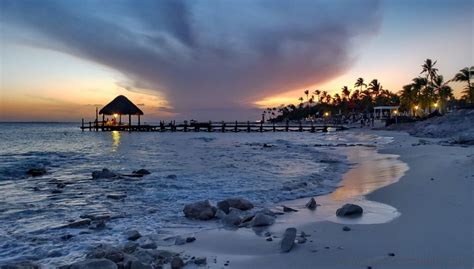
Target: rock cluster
[[349, 210]]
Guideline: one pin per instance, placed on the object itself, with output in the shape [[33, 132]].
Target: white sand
[[425, 223]]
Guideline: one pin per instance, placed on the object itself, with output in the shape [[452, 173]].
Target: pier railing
[[210, 126]]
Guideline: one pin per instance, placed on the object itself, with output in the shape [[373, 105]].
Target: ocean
[[185, 167]]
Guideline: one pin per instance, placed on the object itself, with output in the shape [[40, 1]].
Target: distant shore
[[434, 229]]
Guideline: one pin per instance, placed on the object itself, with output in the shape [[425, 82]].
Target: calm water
[[204, 166]]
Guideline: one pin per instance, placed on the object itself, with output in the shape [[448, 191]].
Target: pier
[[222, 127]]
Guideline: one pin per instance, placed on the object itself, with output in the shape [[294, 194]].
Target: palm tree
[[429, 69], [307, 95], [317, 93], [464, 75], [444, 92], [360, 83], [301, 101], [345, 93], [375, 87], [409, 98], [323, 96], [328, 98]]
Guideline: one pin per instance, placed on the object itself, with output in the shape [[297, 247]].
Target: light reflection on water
[[116, 140]]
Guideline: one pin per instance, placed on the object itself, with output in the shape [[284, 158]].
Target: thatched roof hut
[[118, 107], [121, 106]]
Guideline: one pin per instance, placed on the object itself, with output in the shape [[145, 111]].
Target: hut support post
[[129, 122], [138, 120]]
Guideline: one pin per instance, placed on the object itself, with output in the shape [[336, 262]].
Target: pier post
[[90, 126], [129, 122], [138, 120], [312, 127], [209, 127], [235, 127], [301, 127], [261, 126], [223, 126], [185, 128], [82, 124], [274, 128], [287, 127], [248, 126]]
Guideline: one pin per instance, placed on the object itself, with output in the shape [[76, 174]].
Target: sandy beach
[[426, 218]]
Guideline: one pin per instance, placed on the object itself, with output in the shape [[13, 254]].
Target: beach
[[434, 228], [416, 196]]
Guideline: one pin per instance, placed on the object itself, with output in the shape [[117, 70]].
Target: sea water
[[185, 167]]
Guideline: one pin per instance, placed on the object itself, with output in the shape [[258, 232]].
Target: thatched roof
[[122, 106]]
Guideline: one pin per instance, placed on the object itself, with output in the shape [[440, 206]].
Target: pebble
[[133, 235], [190, 239], [269, 239], [346, 229]]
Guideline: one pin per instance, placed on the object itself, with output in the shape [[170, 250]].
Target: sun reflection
[[116, 139]]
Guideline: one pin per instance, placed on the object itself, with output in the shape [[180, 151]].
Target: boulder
[[346, 229], [139, 265], [21, 265], [288, 239], [289, 209], [132, 235], [262, 219], [233, 218], [141, 172], [177, 263], [94, 264], [190, 239], [311, 204], [239, 203], [202, 210], [349, 210], [105, 173], [36, 172]]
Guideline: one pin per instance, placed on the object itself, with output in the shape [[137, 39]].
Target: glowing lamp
[[326, 114], [115, 115], [435, 104], [416, 107]]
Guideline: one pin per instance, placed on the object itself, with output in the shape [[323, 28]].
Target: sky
[[216, 60]]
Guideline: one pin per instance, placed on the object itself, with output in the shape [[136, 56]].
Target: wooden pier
[[222, 127]]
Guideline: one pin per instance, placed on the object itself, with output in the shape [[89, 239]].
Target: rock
[[60, 185], [130, 247], [132, 235], [200, 261], [301, 240], [179, 240], [391, 254], [288, 209], [98, 216], [265, 145], [190, 239], [98, 225], [220, 214], [116, 196], [79, 223], [94, 264], [288, 239], [36, 172], [56, 191], [311, 204], [269, 239], [54, 254], [106, 251], [349, 210], [141, 172], [261, 219], [239, 203], [171, 176], [267, 234], [202, 210], [105, 173], [346, 229], [177, 263], [147, 243], [232, 219]]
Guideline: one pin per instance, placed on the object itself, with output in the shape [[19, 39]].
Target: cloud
[[205, 56]]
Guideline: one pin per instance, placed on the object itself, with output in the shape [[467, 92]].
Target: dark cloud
[[206, 56]]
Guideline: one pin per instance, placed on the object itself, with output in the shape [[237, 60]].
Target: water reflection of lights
[[116, 140]]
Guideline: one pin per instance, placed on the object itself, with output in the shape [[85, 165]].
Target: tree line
[[425, 93]]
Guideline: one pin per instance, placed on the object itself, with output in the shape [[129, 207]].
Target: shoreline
[[417, 237]]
